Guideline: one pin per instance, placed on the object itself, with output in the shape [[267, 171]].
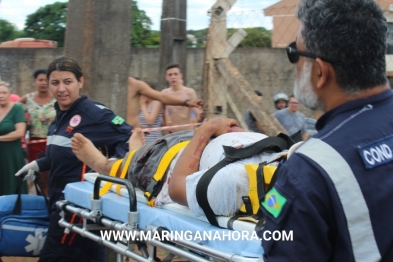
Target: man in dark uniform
[[335, 192]]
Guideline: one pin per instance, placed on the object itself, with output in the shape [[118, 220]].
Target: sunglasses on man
[[293, 54]]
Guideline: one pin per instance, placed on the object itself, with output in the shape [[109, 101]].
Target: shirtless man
[[178, 115], [136, 88]]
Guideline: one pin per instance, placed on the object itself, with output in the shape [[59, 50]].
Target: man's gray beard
[[303, 90]]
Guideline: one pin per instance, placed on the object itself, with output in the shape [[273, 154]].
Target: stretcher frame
[[189, 250]]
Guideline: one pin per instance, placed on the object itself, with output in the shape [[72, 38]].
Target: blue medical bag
[[24, 223]]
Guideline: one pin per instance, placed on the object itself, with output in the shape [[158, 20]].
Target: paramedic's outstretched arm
[[188, 162]]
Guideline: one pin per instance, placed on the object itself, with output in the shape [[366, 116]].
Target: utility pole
[[98, 36], [173, 44]]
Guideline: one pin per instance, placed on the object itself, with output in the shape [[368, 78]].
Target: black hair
[[352, 34], [64, 63], [38, 72], [172, 65], [258, 93]]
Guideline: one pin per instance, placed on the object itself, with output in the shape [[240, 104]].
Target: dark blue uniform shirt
[[107, 132], [361, 132]]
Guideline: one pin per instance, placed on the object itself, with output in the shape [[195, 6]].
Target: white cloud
[[16, 11]]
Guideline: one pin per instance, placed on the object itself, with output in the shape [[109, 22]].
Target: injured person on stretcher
[[205, 150]]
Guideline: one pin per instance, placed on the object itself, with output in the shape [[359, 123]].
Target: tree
[[8, 31], [140, 28], [48, 22], [256, 37], [153, 40], [200, 35]]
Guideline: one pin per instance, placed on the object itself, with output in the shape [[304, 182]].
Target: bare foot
[[86, 152], [137, 139]]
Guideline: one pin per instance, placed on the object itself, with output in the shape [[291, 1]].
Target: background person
[[311, 122], [335, 192], [108, 132], [15, 98], [178, 115], [291, 119], [280, 101], [39, 105], [151, 115], [12, 129], [196, 116], [136, 88]]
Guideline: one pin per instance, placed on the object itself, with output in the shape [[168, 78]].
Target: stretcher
[[171, 227]]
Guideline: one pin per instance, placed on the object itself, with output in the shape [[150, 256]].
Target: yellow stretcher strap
[[125, 169], [113, 173], [253, 189], [163, 166], [268, 173], [114, 170]]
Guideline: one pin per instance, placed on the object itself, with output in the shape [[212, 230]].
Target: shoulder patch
[[118, 120], [274, 202], [377, 153]]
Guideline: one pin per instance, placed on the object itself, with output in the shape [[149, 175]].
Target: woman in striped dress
[[151, 115]]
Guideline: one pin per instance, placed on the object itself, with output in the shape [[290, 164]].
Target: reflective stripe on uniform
[[355, 208], [58, 141], [101, 106]]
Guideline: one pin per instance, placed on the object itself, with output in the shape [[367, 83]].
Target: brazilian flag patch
[[274, 202], [118, 120]]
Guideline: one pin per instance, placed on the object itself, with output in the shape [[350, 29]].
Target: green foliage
[[140, 29], [256, 37], [48, 22], [153, 40], [8, 31], [200, 36]]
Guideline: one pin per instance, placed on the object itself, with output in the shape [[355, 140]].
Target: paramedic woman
[[108, 132]]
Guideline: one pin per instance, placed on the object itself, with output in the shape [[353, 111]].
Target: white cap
[[280, 96]]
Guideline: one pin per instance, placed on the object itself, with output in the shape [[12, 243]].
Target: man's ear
[[323, 72], [82, 79]]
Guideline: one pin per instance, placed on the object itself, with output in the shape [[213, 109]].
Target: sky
[[245, 13]]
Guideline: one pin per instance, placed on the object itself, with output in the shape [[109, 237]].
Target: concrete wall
[[18, 64], [266, 69]]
